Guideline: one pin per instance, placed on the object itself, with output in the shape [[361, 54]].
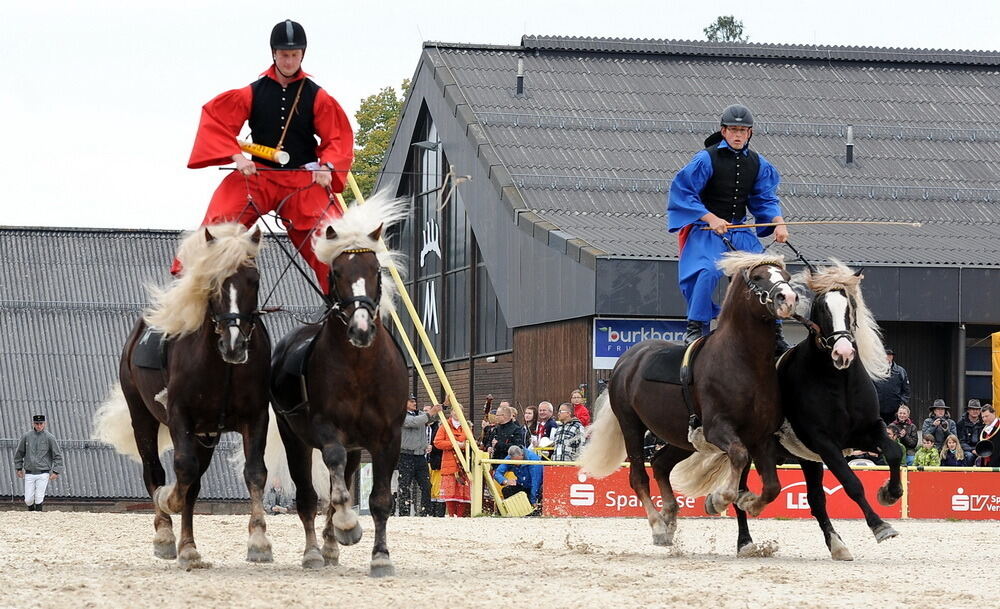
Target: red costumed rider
[[288, 111]]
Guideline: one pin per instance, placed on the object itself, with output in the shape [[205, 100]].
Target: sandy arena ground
[[73, 559]]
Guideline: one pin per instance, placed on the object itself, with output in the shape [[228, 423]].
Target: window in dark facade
[[440, 245]]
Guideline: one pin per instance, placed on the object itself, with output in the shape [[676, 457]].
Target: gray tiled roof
[[68, 298], [604, 124]]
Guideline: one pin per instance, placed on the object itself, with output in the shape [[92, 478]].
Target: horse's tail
[[707, 470], [604, 451], [113, 424], [792, 443], [276, 462]]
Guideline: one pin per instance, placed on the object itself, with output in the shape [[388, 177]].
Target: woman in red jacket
[[454, 482], [579, 407]]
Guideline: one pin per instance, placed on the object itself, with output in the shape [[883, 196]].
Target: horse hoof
[[382, 567], [166, 551], [348, 537], [259, 555], [884, 531], [710, 505], [885, 497], [662, 539], [838, 550], [312, 559], [189, 559], [748, 502], [757, 550]]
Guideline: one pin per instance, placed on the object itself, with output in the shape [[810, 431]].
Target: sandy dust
[[73, 559]]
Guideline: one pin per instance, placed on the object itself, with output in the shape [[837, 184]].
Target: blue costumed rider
[[716, 190]]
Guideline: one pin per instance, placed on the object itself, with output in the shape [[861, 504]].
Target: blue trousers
[[696, 270]]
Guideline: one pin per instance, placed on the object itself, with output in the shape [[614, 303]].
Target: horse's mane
[[735, 262], [868, 336], [353, 230], [179, 308]]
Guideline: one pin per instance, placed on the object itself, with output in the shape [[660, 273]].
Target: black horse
[[341, 386], [734, 393], [830, 400], [212, 378]]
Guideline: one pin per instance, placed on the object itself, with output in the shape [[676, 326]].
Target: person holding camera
[[939, 423]]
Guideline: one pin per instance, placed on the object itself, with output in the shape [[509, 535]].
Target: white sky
[[101, 98]]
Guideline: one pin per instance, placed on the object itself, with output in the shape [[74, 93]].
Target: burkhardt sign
[[614, 335]]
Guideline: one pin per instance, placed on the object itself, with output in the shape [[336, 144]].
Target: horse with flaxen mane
[[830, 401], [212, 378], [341, 386], [733, 392]]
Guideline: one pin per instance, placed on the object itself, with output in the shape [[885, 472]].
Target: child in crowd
[[952, 454], [893, 432], [927, 455]]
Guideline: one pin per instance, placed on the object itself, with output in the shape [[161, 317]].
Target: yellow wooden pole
[[995, 339]]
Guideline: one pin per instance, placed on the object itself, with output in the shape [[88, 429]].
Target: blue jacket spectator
[[528, 477]]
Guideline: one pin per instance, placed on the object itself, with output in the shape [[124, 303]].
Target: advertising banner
[[961, 495], [566, 493], [613, 336]]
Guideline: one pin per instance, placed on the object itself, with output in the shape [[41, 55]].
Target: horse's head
[[356, 289], [833, 326], [233, 308], [216, 290], [768, 283]]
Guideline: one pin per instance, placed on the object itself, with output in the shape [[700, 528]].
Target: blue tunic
[[696, 272]]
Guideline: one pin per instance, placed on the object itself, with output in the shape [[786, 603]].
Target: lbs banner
[[613, 336]]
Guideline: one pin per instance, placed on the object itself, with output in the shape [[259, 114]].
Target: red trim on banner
[[565, 494]]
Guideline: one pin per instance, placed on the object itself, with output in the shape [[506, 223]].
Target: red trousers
[[305, 208]]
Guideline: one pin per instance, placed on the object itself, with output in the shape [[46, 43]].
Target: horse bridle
[[824, 342], [339, 306], [243, 322], [766, 297]]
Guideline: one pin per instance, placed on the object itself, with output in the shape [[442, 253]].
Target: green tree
[[376, 118], [726, 28]]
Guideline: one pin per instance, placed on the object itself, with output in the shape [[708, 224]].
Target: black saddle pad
[[664, 366], [298, 356], [150, 351]]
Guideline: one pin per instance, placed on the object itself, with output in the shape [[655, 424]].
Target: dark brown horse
[[830, 401], [350, 392], [213, 379], [734, 393]]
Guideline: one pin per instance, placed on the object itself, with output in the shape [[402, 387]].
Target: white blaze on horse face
[[234, 331], [361, 317], [842, 351], [788, 307]]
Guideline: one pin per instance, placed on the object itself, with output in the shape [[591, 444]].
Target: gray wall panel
[[639, 287], [928, 294], [981, 296], [880, 287]]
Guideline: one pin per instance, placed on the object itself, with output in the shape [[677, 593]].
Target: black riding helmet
[[288, 36], [733, 116], [737, 116]]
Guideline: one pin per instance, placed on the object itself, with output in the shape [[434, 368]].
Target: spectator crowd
[[431, 480]]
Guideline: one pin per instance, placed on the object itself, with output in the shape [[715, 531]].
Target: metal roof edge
[[758, 50], [84, 229]]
